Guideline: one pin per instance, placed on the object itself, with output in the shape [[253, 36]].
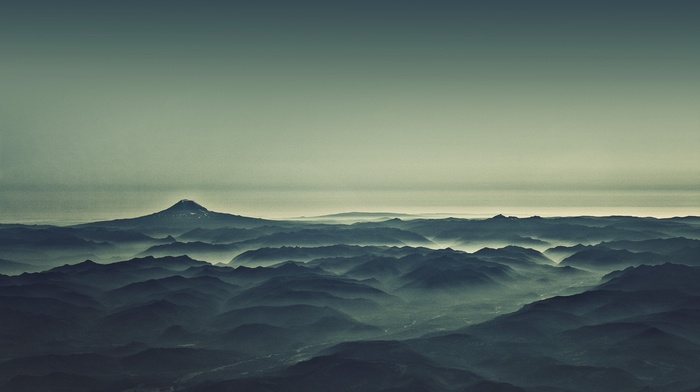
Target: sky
[[289, 108]]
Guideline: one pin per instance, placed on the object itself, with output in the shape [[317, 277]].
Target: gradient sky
[[287, 108]]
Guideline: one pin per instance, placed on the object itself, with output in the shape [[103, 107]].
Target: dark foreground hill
[[615, 337]]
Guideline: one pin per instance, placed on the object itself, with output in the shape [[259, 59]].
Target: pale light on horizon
[[286, 110]]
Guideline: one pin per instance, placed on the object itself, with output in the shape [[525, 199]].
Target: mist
[[194, 299]]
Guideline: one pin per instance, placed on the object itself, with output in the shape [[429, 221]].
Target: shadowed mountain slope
[[439, 305], [184, 215]]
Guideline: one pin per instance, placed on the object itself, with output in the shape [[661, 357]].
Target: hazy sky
[[301, 107]]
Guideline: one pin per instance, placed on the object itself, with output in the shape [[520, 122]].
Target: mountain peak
[[184, 209], [185, 214], [187, 205]]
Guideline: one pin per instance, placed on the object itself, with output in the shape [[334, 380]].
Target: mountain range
[[189, 299]]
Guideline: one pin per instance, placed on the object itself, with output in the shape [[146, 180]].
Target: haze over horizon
[[274, 109]]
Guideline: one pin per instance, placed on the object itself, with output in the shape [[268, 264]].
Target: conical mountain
[[185, 214], [184, 208]]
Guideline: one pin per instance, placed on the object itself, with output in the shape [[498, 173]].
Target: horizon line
[[352, 216]]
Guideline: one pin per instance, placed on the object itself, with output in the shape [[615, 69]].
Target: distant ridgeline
[[189, 299]]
